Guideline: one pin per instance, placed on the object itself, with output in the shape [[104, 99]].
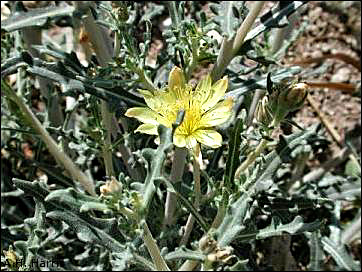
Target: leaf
[[297, 226], [69, 80], [340, 255], [277, 17], [282, 153], [37, 17], [70, 198], [184, 253], [89, 230], [189, 206], [237, 89], [153, 11], [226, 18], [316, 251], [261, 180], [94, 206], [234, 152], [155, 159]]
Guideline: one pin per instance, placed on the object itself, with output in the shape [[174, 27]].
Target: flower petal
[[149, 99], [218, 114], [191, 142], [179, 140], [203, 89], [217, 92], [147, 129], [208, 137], [146, 115], [176, 78]]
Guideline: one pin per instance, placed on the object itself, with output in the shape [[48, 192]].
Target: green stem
[[221, 210], [177, 170], [189, 265], [230, 47], [60, 156], [253, 155], [104, 55], [153, 249], [194, 58], [197, 188], [173, 13]]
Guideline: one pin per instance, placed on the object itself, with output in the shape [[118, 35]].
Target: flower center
[[182, 99]]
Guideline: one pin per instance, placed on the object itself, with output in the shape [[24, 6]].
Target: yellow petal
[[146, 115], [191, 142], [149, 99], [203, 89], [176, 78], [217, 92], [218, 114], [147, 129], [208, 137], [179, 140]]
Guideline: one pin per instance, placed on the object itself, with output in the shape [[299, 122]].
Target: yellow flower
[[201, 105]]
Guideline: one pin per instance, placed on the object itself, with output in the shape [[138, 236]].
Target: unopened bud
[[293, 97], [176, 78], [262, 112], [207, 244], [286, 96]]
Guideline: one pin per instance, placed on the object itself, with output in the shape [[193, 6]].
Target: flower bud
[[286, 96], [293, 97], [176, 78], [262, 112], [111, 186]]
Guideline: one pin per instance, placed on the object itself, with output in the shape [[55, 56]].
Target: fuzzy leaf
[[90, 231], [340, 255], [316, 251], [37, 17], [261, 180], [277, 17], [234, 152], [71, 198], [184, 253]]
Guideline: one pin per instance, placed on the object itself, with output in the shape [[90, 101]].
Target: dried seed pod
[[207, 244], [111, 186]]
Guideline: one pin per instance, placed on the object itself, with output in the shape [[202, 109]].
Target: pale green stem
[[104, 56], [194, 58], [59, 155], [177, 170], [246, 25], [221, 211], [188, 265], [117, 44], [33, 36], [230, 47], [173, 12], [253, 155], [197, 188], [153, 249]]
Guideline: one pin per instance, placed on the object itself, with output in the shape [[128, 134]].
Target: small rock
[[342, 75]]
